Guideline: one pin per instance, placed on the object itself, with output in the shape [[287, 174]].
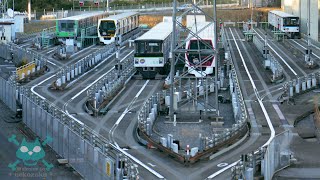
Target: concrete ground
[[305, 146], [10, 125], [189, 126]]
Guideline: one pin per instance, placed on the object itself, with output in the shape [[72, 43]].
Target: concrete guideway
[[272, 135]]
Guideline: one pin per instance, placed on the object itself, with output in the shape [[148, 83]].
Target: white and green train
[[152, 51], [70, 27]]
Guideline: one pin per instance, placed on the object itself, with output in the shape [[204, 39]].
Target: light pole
[[216, 54], [172, 56], [309, 51]]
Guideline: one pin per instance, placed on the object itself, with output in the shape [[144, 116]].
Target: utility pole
[[29, 10], [216, 54], [172, 56], [308, 59], [107, 5]]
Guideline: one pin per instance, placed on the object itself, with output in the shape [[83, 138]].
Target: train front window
[[293, 21], [107, 28], [148, 48], [154, 47], [66, 26], [204, 44]]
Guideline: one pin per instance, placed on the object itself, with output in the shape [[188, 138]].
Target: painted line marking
[[152, 165], [114, 127], [32, 88], [50, 51], [262, 107], [278, 55], [305, 48], [75, 96], [138, 161], [51, 63], [222, 164]]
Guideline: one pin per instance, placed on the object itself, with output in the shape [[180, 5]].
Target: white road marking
[[305, 48], [152, 165], [222, 164], [34, 92], [262, 107], [125, 112], [276, 107], [294, 72], [51, 63], [112, 145], [25, 45], [83, 90], [50, 51]]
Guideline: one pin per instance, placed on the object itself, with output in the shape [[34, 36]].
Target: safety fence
[[266, 161], [269, 61], [22, 55], [157, 105], [73, 72], [103, 91], [301, 85], [92, 156], [8, 92]]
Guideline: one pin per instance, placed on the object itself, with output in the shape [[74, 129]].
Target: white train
[[152, 50], [116, 26], [200, 64], [284, 22]]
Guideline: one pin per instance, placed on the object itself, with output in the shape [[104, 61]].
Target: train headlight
[[196, 61], [160, 60], [136, 61]]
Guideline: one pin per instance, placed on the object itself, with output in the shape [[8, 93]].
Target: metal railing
[[156, 105], [86, 151]]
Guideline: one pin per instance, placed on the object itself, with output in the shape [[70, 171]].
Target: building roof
[[159, 32]]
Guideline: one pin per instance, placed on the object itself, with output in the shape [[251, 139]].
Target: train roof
[[83, 16], [120, 16], [159, 32], [281, 13], [207, 33]]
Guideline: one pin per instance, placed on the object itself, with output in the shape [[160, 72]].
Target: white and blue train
[[115, 26], [284, 22]]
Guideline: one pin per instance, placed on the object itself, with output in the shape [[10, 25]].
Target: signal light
[[81, 3], [96, 3]]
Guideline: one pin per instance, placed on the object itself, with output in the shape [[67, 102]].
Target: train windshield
[[291, 21], [204, 44], [194, 57], [66, 25], [148, 47], [107, 28]]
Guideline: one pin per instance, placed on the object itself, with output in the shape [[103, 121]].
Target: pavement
[[10, 125], [304, 145], [189, 125]]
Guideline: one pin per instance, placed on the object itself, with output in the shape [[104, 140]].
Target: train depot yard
[[185, 90]]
